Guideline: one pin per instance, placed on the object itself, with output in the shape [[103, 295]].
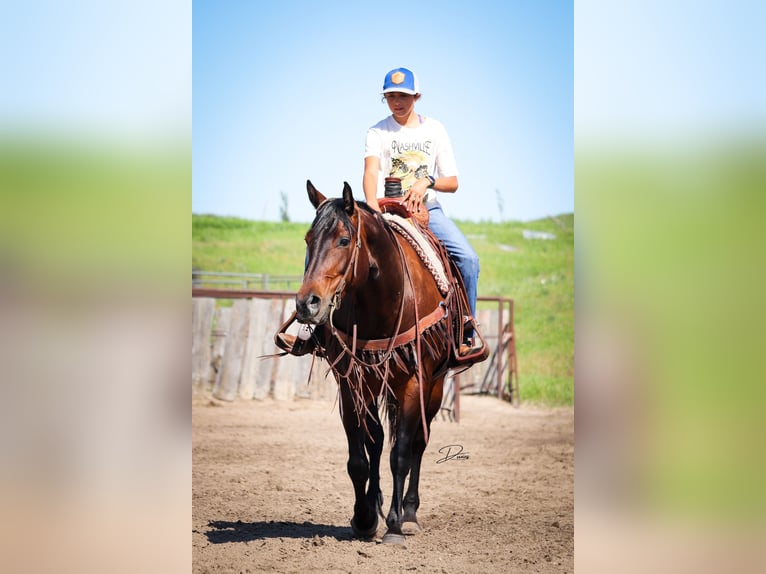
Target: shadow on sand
[[222, 531]]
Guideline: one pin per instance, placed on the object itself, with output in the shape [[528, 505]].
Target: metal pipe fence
[[246, 281]]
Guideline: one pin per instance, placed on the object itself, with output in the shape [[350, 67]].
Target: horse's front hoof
[[410, 528], [394, 539], [364, 533]]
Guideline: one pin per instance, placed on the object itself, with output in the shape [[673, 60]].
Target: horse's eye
[[344, 242]]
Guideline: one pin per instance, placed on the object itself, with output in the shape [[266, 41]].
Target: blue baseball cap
[[401, 80]]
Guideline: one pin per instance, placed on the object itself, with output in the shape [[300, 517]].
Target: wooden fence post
[[254, 333], [258, 339], [285, 370], [221, 322], [231, 370], [270, 313], [202, 320]]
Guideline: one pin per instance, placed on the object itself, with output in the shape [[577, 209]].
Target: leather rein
[[399, 338], [387, 344]]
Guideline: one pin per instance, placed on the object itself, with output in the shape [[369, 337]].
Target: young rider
[[417, 150]]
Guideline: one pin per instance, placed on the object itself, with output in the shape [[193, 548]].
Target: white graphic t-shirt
[[411, 153]]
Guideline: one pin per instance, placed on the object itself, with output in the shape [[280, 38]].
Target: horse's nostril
[[308, 306]]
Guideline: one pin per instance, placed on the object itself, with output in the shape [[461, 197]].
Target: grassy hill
[[537, 273]]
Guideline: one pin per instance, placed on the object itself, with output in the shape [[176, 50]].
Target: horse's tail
[[392, 409]]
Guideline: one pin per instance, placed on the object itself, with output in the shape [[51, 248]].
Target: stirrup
[[471, 351], [295, 345], [470, 345]]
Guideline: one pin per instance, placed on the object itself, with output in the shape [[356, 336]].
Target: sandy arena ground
[[271, 493]]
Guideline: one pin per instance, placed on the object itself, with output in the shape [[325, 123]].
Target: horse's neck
[[376, 296], [385, 252]]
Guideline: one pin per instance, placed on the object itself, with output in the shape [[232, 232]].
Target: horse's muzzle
[[309, 309]]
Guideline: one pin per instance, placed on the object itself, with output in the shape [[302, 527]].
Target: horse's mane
[[333, 210]]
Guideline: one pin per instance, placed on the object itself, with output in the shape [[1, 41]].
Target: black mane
[[332, 211]]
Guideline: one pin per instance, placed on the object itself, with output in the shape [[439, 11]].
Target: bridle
[[338, 335], [338, 295], [350, 268]]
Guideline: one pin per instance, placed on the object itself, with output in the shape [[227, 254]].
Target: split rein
[[351, 352], [335, 303]]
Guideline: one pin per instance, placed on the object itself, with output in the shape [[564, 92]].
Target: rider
[[417, 150]]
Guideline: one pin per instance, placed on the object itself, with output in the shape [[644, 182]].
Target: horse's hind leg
[[401, 461], [412, 499]]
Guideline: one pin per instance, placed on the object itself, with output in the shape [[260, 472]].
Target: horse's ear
[[315, 196], [348, 199]]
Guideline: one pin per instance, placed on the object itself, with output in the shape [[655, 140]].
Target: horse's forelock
[[328, 215], [332, 211]]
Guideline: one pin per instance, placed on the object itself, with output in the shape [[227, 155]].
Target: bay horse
[[387, 332]]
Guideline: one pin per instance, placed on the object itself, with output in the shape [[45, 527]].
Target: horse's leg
[[374, 444], [412, 499], [408, 417], [364, 523]]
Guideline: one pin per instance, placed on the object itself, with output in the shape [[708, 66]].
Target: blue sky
[[113, 70], [657, 71], [285, 91]]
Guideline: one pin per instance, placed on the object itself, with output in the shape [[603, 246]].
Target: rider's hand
[[373, 203], [413, 199]]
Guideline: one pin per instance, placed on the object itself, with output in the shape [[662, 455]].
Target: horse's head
[[332, 248]]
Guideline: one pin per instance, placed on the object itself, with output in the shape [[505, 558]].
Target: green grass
[[74, 212], [537, 274], [673, 268], [242, 246]]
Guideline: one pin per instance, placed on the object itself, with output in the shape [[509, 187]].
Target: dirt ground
[[271, 493]]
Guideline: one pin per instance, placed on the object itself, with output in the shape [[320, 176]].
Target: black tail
[[392, 408]]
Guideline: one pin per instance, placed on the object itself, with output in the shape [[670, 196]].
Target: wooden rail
[[498, 375]]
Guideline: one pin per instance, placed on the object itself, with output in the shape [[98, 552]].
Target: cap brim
[[401, 91]]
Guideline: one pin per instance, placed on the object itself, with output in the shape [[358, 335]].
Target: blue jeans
[[459, 249]]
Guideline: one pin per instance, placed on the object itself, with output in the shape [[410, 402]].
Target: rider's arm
[[370, 181], [446, 184], [413, 198]]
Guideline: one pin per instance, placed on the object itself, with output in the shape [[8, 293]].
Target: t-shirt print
[[409, 166]]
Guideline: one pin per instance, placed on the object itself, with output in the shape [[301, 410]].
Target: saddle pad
[[422, 247]]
